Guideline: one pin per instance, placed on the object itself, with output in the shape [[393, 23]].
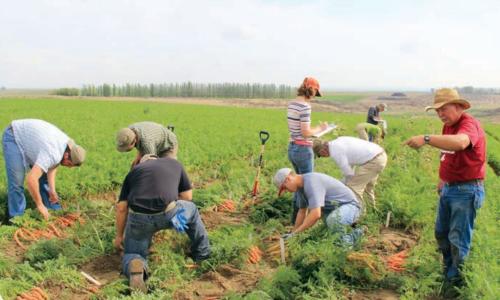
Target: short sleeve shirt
[[468, 164], [153, 138], [372, 112], [298, 112], [151, 185], [40, 143], [323, 191]]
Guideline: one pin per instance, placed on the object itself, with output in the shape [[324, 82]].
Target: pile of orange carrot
[[35, 293], [396, 262], [54, 229], [254, 255], [227, 206]]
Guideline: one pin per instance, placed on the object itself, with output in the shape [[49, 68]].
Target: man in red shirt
[[461, 173]]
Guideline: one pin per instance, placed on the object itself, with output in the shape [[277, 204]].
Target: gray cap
[[77, 153], [124, 139], [279, 178]]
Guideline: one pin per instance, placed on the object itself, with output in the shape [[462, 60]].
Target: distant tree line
[[186, 89], [66, 92], [475, 90]]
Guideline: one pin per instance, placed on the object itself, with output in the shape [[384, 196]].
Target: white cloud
[[346, 44]]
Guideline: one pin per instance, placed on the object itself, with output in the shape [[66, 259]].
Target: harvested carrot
[[227, 205], [18, 242], [254, 255], [396, 262]]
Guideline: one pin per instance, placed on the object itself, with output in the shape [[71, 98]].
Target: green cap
[[124, 139]]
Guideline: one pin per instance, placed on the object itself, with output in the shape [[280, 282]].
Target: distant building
[[394, 96]]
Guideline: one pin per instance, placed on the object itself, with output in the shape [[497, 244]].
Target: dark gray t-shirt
[[321, 190], [372, 112], [150, 186]]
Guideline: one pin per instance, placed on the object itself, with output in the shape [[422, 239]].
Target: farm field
[[220, 157]]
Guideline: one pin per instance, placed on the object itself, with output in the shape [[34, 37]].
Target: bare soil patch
[[382, 294], [213, 219], [104, 268], [215, 284]]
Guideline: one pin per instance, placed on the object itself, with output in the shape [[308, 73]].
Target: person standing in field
[[156, 194], [370, 160], [147, 138], [300, 151], [373, 116], [370, 132], [461, 172], [324, 197], [37, 148]]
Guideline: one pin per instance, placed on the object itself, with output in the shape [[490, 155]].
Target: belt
[[169, 207], [474, 181], [302, 143]]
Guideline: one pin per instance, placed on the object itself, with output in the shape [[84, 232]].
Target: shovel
[[264, 136]]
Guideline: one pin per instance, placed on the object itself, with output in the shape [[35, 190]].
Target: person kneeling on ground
[[369, 158], [148, 138], [148, 203], [321, 196]]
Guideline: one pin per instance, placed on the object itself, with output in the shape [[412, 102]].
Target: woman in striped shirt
[[300, 151]]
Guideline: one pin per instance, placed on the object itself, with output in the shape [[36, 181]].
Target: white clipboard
[[327, 130]]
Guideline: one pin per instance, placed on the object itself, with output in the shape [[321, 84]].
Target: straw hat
[[445, 96]]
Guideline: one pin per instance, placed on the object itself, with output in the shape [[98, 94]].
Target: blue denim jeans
[[455, 223], [339, 220], [15, 176], [302, 159], [140, 229]]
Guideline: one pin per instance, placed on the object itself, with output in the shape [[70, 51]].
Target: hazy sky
[[348, 44]]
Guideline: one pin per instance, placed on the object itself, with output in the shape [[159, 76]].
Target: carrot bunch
[[35, 293], [396, 262], [53, 230], [254, 255], [226, 206]]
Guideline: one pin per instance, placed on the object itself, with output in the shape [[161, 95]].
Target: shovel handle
[[171, 127], [264, 136]]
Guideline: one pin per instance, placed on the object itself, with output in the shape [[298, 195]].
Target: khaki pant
[[362, 132], [365, 177]]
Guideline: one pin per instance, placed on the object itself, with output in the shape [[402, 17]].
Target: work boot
[[136, 271]]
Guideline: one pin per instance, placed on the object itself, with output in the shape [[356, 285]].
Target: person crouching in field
[[300, 151], [40, 147], [156, 194], [370, 132], [461, 172], [148, 138], [370, 160], [324, 197]]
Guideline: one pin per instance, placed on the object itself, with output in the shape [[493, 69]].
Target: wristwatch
[[427, 139]]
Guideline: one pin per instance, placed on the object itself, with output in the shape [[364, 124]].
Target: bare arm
[[449, 142], [312, 217], [51, 179], [34, 190], [307, 131], [121, 220], [186, 195], [299, 219]]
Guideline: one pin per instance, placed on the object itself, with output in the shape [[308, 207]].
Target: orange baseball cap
[[312, 82]]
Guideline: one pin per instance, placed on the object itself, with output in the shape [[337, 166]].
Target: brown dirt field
[[391, 241], [382, 294], [104, 269], [214, 284], [213, 219]]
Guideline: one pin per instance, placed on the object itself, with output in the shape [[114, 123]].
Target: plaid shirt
[[153, 138]]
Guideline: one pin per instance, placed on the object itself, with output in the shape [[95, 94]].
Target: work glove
[[179, 221], [286, 236]]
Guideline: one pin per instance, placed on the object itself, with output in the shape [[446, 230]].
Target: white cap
[[279, 178]]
